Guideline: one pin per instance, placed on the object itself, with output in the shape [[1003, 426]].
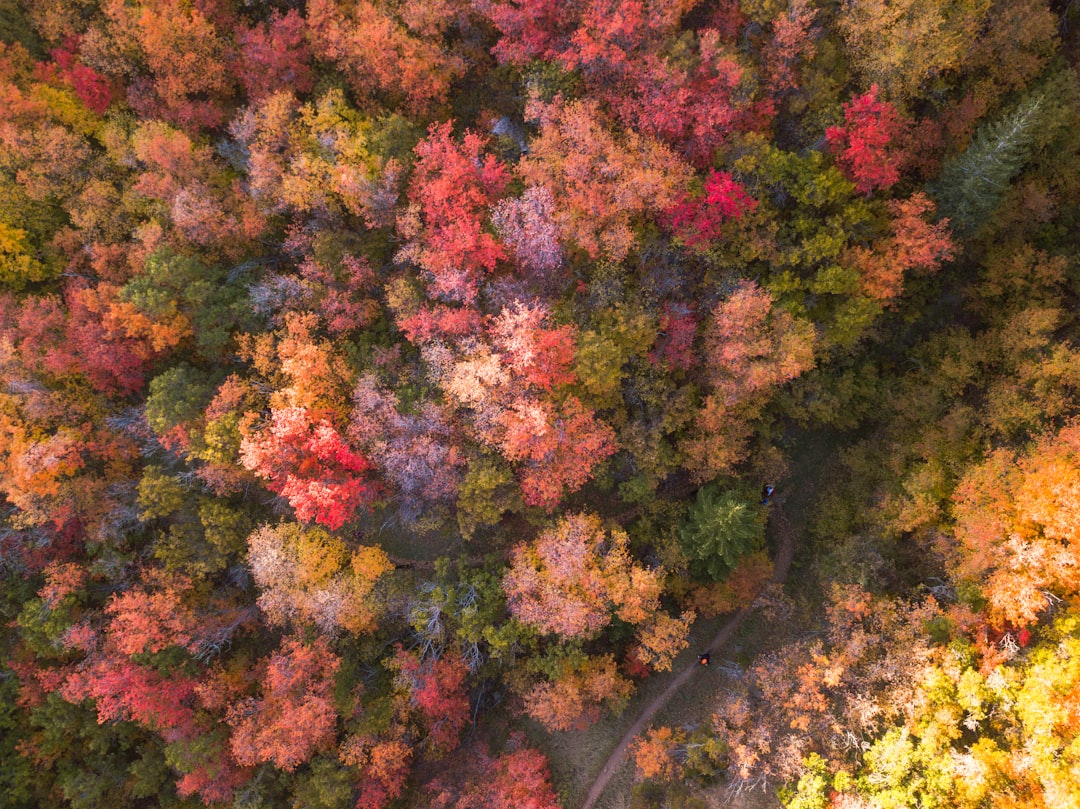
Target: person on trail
[[766, 493], [703, 659]]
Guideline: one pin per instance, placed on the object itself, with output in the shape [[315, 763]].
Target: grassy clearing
[[385, 531]]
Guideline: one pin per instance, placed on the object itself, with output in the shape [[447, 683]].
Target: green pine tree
[[973, 183], [721, 528]]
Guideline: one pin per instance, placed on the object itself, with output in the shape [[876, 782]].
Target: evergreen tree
[[973, 183], [721, 528]]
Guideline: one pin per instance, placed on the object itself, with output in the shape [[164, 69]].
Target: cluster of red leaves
[[699, 221], [275, 56], [539, 355], [674, 347], [124, 690], [865, 147], [63, 336], [559, 445], [145, 621], [430, 322], [438, 692], [516, 779], [343, 296], [452, 187], [618, 45], [305, 459], [91, 87]]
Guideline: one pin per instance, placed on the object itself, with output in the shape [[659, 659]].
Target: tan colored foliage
[[601, 183], [575, 576], [308, 576]]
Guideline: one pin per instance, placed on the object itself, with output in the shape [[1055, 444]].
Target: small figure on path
[[766, 493], [704, 659]]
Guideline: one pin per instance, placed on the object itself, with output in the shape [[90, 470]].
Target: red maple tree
[[698, 221], [865, 147], [452, 187], [305, 460]]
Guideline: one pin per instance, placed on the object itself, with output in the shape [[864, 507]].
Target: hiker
[[704, 659], [766, 493]]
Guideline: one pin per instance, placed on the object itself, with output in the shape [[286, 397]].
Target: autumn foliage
[[436, 690], [559, 447], [306, 461], [575, 576], [451, 189], [914, 245], [517, 778], [699, 221], [750, 350], [1015, 527], [380, 377], [90, 86], [307, 576], [601, 182], [866, 146], [386, 51], [572, 700], [294, 715], [655, 754]]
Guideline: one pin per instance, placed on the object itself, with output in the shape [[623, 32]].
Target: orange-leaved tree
[[294, 716]]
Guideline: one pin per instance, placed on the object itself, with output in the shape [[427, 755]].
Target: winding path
[[785, 553]]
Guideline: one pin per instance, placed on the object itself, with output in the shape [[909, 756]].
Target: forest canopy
[[389, 388]]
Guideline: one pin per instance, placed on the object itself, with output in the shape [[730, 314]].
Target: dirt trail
[[785, 552]]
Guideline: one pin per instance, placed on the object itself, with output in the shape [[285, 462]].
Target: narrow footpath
[[785, 537]]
